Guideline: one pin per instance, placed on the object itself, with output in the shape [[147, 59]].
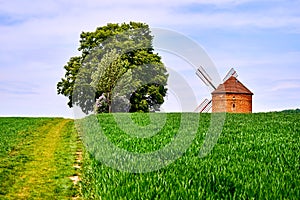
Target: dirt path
[[37, 178]]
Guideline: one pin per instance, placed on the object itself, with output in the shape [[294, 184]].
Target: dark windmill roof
[[232, 86]]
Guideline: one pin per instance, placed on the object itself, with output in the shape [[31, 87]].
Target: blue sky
[[259, 38]]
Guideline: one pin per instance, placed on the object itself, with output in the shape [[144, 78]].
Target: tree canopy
[[117, 71]]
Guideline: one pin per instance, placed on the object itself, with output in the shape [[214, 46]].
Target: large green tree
[[117, 71]]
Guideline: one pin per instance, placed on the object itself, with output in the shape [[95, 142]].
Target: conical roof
[[232, 86]]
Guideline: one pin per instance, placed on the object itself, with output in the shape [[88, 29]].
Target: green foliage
[[66, 85], [256, 157], [291, 111], [118, 63], [148, 98]]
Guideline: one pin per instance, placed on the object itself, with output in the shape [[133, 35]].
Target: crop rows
[[257, 156]]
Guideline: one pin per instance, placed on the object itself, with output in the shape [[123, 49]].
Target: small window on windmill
[[233, 105]]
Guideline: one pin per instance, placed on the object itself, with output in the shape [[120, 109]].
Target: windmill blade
[[231, 73], [208, 107], [201, 105], [204, 106], [201, 73]]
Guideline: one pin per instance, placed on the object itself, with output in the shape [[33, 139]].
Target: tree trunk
[[109, 102]]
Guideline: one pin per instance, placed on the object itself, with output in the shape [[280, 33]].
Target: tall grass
[[257, 157]]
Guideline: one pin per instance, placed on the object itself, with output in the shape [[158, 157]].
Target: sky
[[259, 38]]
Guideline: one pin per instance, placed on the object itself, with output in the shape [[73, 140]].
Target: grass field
[[36, 158], [257, 157]]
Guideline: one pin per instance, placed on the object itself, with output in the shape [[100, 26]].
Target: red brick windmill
[[231, 96]]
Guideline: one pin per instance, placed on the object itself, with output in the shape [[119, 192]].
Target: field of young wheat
[[257, 156]]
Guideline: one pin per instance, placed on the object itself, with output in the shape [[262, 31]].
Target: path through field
[[51, 152]]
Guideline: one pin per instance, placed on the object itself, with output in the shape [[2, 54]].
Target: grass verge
[[40, 159]]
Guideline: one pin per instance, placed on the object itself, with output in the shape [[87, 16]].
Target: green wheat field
[[257, 156]]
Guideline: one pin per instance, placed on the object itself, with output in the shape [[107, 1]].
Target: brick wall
[[233, 103]]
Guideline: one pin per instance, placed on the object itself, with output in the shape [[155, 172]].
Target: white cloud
[[42, 35], [64, 16]]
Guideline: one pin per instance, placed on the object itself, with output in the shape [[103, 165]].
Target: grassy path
[[46, 174]]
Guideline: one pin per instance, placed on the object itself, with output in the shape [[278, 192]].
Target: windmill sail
[[201, 73], [205, 106], [231, 73]]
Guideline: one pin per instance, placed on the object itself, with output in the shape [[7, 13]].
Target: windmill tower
[[232, 96], [206, 104]]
